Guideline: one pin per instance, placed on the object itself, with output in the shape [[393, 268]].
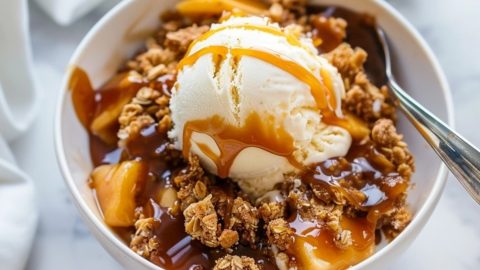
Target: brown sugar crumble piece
[[154, 62], [162, 52], [362, 97], [230, 262], [148, 107], [228, 238], [144, 242], [280, 234], [181, 39], [396, 222], [393, 147], [201, 222], [343, 239], [272, 210], [244, 219], [191, 183], [287, 12]]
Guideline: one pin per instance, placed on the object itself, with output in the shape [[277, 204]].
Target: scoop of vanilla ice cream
[[236, 89]]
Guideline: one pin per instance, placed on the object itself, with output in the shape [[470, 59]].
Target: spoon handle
[[460, 156]]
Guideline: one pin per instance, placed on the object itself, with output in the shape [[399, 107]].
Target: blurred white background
[[450, 240]]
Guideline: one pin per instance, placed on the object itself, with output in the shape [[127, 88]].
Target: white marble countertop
[[450, 240]]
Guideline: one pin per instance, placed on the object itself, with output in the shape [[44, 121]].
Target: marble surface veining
[[450, 240]]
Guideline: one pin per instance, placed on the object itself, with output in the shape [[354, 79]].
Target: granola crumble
[[201, 222], [144, 242], [230, 262], [244, 219], [280, 234]]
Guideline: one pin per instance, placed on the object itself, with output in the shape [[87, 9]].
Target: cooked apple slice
[[102, 124], [316, 250], [167, 197], [115, 94], [200, 7], [357, 128], [116, 187]]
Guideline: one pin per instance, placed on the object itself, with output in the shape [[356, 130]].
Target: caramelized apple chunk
[[357, 127], [217, 7], [112, 97], [102, 124], [315, 247], [116, 187]]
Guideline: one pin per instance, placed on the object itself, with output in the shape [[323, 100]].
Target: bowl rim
[[103, 233]]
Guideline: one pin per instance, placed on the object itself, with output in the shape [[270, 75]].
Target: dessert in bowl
[[260, 137]]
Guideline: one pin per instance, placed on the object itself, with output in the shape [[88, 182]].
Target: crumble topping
[[272, 210], [201, 222], [191, 183], [230, 262], [156, 61], [244, 219], [280, 234], [144, 241], [362, 97], [393, 147], [181, 39], [397, 222], [149, 106]]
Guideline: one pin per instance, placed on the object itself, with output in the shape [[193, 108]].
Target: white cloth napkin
[[65, 12], [18, 104]]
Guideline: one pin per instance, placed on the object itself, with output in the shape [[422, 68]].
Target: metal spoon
[[460, 156]]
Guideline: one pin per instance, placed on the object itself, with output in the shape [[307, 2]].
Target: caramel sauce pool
[[177, 250]]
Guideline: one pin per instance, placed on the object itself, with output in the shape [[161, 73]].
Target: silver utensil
[[460, 156]]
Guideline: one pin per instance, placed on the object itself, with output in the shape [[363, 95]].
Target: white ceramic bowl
[[122, 31]]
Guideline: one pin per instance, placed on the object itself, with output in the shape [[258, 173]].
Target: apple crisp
[[173, 212]]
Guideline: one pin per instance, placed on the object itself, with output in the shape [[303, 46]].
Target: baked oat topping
[[393, 147], [362, 97], [272, 210], [144, 242], [244, 218], [182, 38], [230, 262], [280, 234], [201, 222]]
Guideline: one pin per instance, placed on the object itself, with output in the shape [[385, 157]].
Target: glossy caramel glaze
[[291, 39], [231, 140]]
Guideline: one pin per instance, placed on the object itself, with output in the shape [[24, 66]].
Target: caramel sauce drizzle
[[231, 140], [326, 88], [291, 39], [318, 89], [327, 80]]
